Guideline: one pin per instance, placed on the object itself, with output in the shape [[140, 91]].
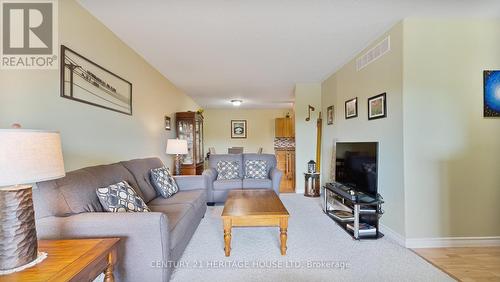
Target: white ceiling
[[256, 50]]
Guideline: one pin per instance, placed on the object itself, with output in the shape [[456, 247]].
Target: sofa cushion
[[228, 184], [228, 170], [140, 169], [120, 197], [180, 217], [78, 191], [77, 188], [256, 169], [195, 198], [269, 158], [48, 200], [163, 182], [257, 183], [214, 159], [106, 175]]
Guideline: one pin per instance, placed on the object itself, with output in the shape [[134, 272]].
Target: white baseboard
[[440, 242], [444, 242], [392, 235]]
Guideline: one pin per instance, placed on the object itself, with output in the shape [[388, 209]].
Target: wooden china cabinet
[[189, 127]]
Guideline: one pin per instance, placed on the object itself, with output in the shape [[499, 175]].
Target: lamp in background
[[26, 157], [177, 147]]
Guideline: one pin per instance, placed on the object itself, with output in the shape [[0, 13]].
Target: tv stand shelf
[[366, 211]]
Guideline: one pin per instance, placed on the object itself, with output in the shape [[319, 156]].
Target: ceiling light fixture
[[236, 103]]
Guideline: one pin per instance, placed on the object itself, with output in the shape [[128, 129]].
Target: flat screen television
[[356, 166]]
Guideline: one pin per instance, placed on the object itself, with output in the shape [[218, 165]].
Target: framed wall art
[[491, 107], [168, 123], [377, 106], [85, 81], [351, 108], [238, 129], [329, 115]]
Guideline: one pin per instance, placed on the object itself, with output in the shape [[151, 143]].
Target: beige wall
[[305, 132], [383, 75], [260, 126], [438, 155], [452, 153], [93, 135]]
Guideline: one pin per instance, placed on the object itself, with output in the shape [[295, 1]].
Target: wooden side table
[[71, 260]]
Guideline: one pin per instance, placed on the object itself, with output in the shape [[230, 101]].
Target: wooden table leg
[[283, 234], [108, 273], [227, 236]]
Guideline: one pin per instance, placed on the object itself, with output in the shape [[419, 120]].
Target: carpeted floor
[[318, 250]]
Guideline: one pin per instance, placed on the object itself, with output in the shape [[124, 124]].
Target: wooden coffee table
[[254, 207], [71, 260]]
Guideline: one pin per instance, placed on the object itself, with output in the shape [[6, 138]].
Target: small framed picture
[[351, 108], [329, 115], [238, 129], [377, 107], [168, 123]]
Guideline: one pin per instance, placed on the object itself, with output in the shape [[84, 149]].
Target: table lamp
[[26, 157], [177, 147]]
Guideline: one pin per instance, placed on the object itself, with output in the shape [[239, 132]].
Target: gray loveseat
[[218, 189], [69, 208]]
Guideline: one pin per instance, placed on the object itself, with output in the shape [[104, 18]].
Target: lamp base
[[18, 241], [177, 170], [41, 257]]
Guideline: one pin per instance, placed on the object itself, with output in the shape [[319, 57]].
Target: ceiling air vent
[[374, 53]]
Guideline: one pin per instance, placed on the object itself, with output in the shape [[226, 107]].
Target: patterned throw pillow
[[163, 182], [256, 169], [228, 170], [120, 197]]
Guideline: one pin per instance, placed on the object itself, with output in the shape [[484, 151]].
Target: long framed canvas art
[[85, 81]]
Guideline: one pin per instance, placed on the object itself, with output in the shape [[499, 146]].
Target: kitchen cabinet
[[284, 127], [286, 163]]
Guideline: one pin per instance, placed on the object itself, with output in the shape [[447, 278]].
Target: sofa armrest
[[191, 182], [144, 239], [275, 175], [211, 175]]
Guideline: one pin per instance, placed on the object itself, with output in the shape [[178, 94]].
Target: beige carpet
[[318, 250]]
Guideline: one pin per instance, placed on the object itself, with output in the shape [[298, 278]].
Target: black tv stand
[[366, 211]]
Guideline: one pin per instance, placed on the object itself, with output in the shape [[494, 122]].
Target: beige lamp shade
[[177, 147], [29, 156]]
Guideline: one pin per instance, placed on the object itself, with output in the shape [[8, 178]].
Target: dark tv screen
[[356, 166]]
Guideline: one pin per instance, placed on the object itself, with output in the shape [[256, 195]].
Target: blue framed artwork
[[491, 93]]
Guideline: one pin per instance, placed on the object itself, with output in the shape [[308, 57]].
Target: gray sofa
[[218, 189], [69, 208]]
